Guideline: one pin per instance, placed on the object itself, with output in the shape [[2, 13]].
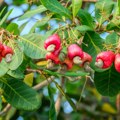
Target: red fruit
[[75, 53], [52, 43], [68, 63], [86, 58], [1, 47], [105, 59], [6, 50], [117, 62], [0, 58], [52, 57]]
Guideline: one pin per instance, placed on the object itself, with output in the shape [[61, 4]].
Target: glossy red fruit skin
[[1, 47], [6, 50], [53, 57], [117, 62], [74, 50], [107, 57], [86, 58], [55, 40], [69, 63], [0, 58]]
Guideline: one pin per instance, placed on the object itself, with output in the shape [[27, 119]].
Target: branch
[[44, 83], [5, 110]]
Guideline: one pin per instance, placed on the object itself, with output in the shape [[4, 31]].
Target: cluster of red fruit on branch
[[105, 60], [75, 55], [5, 52]]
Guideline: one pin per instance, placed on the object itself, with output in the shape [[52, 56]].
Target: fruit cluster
[[105, 60], [75, 55], [5, 52]]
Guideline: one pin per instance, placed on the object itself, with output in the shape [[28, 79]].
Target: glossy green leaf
[[40, 23], [56, 7], [108, 82], [16, 74], [31, 13], [76, 5], [70, 74], [118, 6], [33, 45], [103, 9], [17, 59], [84, 28], [5, 17], [52, 112], [112, 39], [86, 18], [13, 28], [19, 95], [21, 28], [93, 44], [3, 67]]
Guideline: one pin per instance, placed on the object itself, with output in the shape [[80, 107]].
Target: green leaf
[[31, 13], [40, 23], [66, 96], [2, 11], [93, 44], [118, 6], [13, 28], [108, 82], [76, 5], [86, 18], [19, 95], [55, 7], [52, 112], [112, 39], [5, 17], [71, 74], [3, 67], [17, 59], [33, 46], [84, 28], [21, 28], [103, 9], [16, 74]]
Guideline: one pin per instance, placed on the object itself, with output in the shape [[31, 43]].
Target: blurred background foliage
[[92, 106]]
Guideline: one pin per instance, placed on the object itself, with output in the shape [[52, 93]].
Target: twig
[[44, 83], [58, 101], [5, 110]]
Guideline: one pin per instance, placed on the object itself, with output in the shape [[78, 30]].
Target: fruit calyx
[[105, 59], [52, 43], [75, 53]]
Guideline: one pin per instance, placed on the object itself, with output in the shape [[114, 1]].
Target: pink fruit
[[75, 53], [6, 50], [1, 47], [52, 57], [105, 59], [86, 58], [68, 63], [52, 43], [117, 62]]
